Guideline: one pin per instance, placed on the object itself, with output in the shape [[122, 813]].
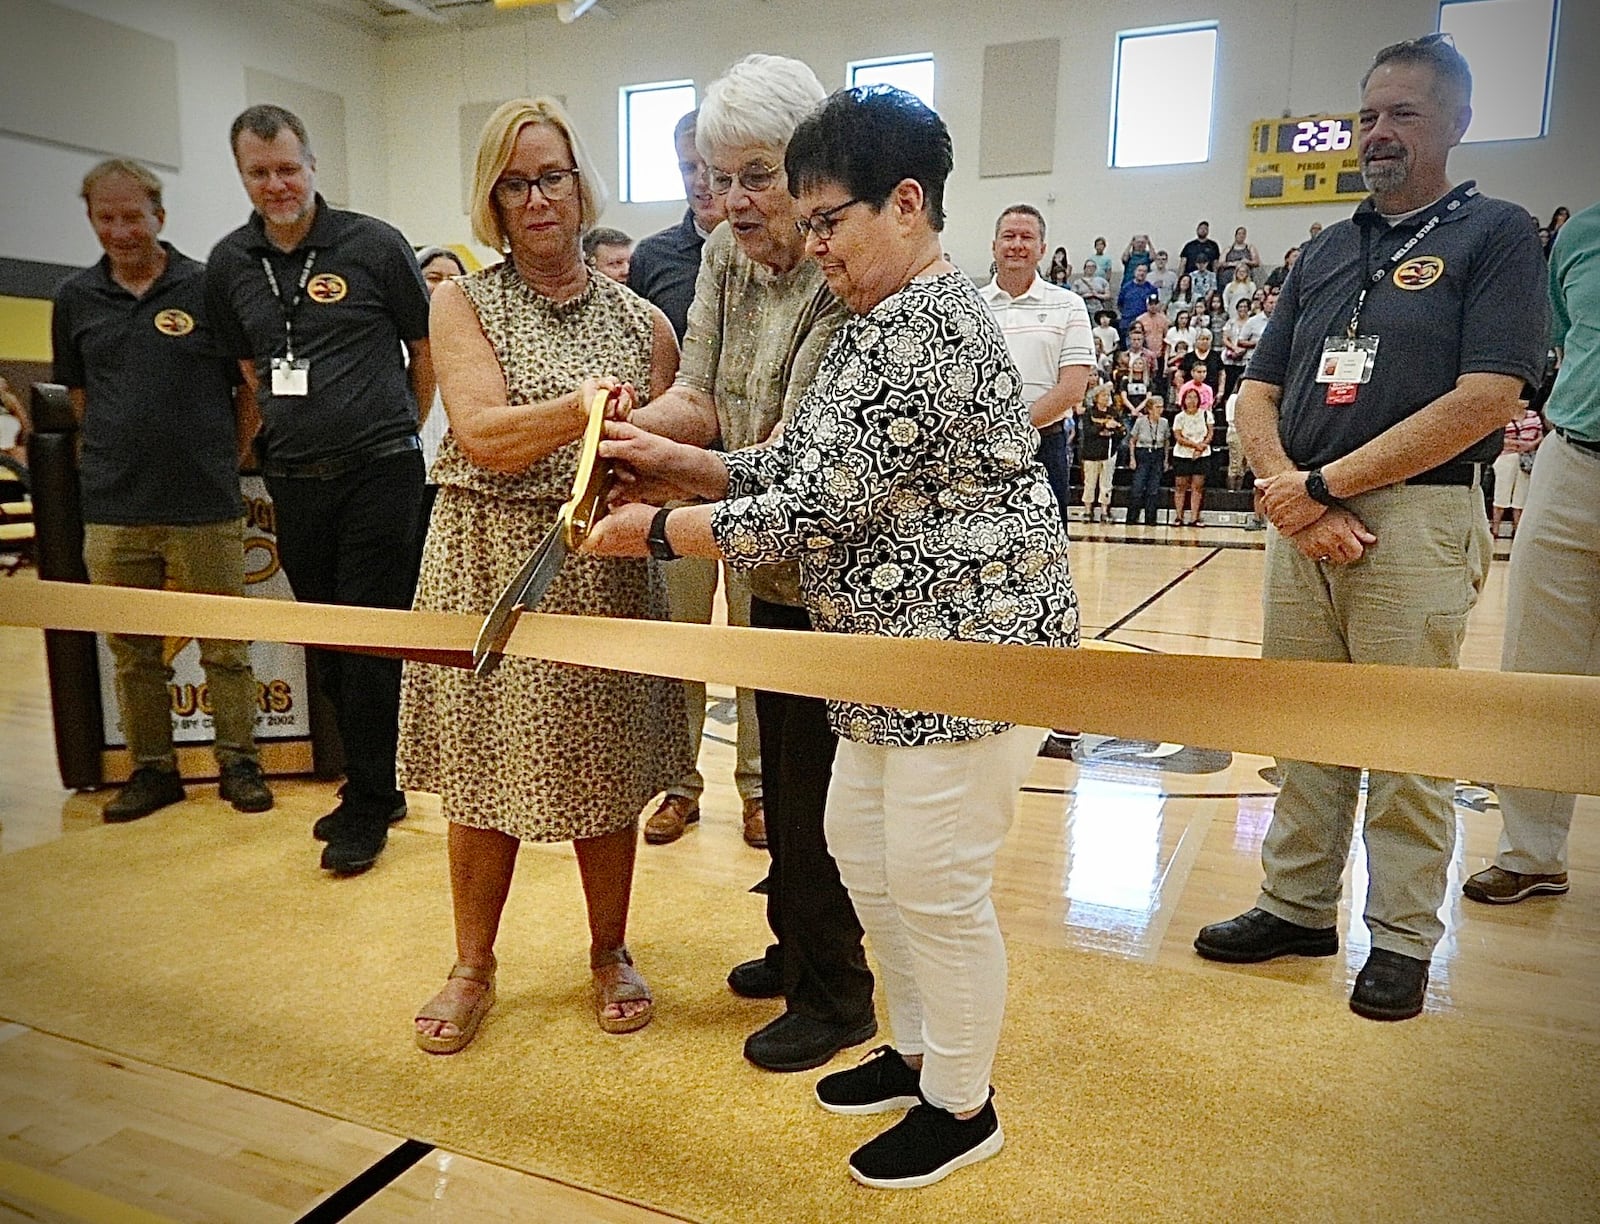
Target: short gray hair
[[760, 100]]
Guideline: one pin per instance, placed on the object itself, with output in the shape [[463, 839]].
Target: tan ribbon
[[1517, 728]]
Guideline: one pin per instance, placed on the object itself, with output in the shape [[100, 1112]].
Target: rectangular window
[[1510, 46], [1151, 68], [646, 116], [912, 73]]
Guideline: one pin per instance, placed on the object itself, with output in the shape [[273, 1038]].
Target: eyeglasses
[[821, 224], [553, 185], [753, 178]]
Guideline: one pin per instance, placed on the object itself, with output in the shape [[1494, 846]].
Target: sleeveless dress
[[542, 751]]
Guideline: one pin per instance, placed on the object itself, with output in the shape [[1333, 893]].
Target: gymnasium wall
[[1291, 56]]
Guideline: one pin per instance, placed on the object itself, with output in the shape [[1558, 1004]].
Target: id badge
[[291, 377], [1345, 365]]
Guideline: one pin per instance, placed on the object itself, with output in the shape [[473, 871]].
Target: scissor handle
[[593, 480]]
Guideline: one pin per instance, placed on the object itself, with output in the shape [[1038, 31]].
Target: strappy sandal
[[624, 985], [465, 1016]]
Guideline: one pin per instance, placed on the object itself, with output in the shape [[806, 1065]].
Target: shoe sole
[[247, 807], [345, 870], [865, 1033], [763, 994], [1368, 1012], [982, 1151], [1234, 956], [1533, 890], [886, 1105]]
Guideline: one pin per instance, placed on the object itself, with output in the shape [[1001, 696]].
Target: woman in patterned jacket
[[908, 485]]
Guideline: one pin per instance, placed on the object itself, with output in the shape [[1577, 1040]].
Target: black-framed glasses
[[753, 178], [821, 224], [553, 185]]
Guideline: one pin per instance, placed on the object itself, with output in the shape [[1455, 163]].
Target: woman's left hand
[[621, 533]]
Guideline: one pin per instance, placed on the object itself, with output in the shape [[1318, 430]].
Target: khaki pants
[[207, 559], [691, 584], [1405, 602]]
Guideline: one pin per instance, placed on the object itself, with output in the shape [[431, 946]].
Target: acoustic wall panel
[[75, 80], [1017, 131], [323, 114]]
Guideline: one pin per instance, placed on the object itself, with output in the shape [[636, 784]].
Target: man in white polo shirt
[[1047, 332]]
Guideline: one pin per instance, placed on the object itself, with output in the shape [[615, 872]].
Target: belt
[[1580, 443], [1051, 430], [344, 464], [1464, 474]]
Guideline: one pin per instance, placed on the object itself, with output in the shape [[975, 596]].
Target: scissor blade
[[521, 593]]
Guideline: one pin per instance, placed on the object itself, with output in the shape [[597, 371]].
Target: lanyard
[[299, 290], [1372, 279]]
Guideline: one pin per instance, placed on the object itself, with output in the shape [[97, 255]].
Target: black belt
[[1580, 443], [1052, 429], [344, 464], [1463, 474]]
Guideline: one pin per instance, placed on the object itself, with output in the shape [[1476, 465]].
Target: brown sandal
[[617, 981], [465, 1016]]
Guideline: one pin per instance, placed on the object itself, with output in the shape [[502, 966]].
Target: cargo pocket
[[1443, 633]]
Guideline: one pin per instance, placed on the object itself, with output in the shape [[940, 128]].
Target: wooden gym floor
[[1125, 852]]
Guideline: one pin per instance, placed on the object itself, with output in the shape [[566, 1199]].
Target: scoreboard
[[1309, 160]]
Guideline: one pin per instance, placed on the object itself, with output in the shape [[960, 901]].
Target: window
[[647, 115], [912, 73], [1151, 67], [1510, 45]]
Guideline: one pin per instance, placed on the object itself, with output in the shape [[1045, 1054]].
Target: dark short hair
[[1438, 53], [601, 236], [266, 121], [1022, 210], [1105, 316], [869, 140], [685, 125]]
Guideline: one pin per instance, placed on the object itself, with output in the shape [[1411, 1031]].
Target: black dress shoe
[[354, 847], [756, 979], [149, 790], [1256, 935], [794, 1042], [325, 827], [1390, 986]]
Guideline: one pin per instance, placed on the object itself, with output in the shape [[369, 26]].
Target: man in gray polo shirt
[[1399, 349], [159, 473]]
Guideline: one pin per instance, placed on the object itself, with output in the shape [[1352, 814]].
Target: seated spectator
[[1183, 329], [1182, 296], [1155, 322], [1093, 288], [1242, 252], [1239, 288], [1060, 268], [1204, 277], [1135, 296], [1192, 430], [1097, 441], [1105, 329], [608, 252], [1279, 274], [1150, 445], [1165, 279], [1513, 467], [1102, 261]]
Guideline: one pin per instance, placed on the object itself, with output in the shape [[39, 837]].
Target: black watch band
[[1317, 489], [660, 547]]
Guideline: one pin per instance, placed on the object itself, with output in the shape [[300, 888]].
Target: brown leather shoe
[[669, 821], [755, 823]]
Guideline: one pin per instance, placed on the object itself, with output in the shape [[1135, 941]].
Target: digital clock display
[[1315, 136]]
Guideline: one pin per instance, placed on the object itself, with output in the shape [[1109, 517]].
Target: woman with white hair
[[761, 319], [535, 751]]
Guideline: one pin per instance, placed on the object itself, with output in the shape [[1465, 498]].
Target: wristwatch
[[660, 547], [1317, 488]]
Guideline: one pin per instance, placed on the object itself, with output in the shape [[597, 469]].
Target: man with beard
[[1376, 397]]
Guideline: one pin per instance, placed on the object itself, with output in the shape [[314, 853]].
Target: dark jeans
[[825, 974], [352, 540], [1145, 496], [1055, 452]]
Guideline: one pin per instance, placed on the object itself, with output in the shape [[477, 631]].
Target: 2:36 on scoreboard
[[1309, 159]]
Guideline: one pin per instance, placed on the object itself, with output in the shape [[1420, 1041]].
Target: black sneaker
[[354, 847], [1390, 986], [794, 1042], [756, 979], [149, 790], [327, 826], [243, 786], [925, 1146], [881, 1082], [1256, 936]]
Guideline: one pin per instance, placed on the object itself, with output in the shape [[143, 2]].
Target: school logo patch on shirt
[[327, 288], [1419, 273], [174, 322]]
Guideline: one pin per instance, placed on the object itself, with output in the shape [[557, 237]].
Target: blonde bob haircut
[[495, 145]]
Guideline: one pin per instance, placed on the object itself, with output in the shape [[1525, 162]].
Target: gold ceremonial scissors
[[573, 523]]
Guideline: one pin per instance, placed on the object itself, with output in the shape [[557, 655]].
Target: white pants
[[1510, 483], [1552, 625], [915, 832], [1097, 473]]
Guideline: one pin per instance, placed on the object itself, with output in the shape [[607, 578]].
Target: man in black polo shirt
[[666, 264], [316, 303], [1399, 349], [159, 473]]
